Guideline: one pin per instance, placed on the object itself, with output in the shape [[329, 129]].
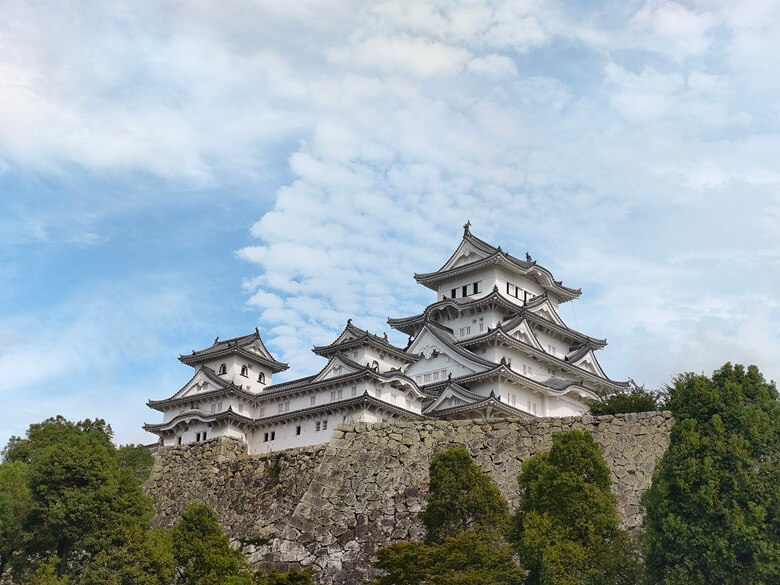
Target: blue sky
[[173, 171]]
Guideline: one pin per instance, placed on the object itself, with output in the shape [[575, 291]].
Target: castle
[[492, 346]]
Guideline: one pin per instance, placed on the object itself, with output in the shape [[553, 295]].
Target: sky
[[173, 171]]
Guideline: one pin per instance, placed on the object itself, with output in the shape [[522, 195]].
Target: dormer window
[[222, 369], [245, 371], [261, 378], [375, 365]]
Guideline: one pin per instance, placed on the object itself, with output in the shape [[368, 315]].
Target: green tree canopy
[[466, 518], [15, 502], [461, 497], [137, 459], [566, 529], [632, 399], [80, 500], [713, 510], [203, 553]]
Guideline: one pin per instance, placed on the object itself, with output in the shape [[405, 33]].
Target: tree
[[461, 497], [81, 502], [566, 529], [14, 502], [203, 553], [137, 459], [713, 510], [145, 558], [631, 399], [465, 519]]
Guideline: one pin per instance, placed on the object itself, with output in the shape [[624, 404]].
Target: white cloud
[[631, 150]]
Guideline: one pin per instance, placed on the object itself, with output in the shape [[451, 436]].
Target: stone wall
[[331, 507]]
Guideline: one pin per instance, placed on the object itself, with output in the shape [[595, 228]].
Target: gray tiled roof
[[231, 346]]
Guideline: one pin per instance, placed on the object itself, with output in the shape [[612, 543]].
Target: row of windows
[[431, 377], [244, 372], [518, 293], [531, 406], [475, 288], [320, 425]]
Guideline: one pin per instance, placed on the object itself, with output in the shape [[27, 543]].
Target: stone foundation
[[332, 506]]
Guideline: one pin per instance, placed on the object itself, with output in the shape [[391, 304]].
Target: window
[[213, 408], [408, 403], [512, 399], [219, 406], [204, 435], [481, 323], [197, 437], [284, 406], [526, 296], [245, 371], [454, 292], [325, 425], [261, 378], [265, 437], [551, 349], [261, 411], [377, 393], [240, 407], [313, 400], [298, 430], [465, 331], [354, 354], [222, 369], [484, 350], [332, 395], [318, 426], [427, 377], [273, 435], [550, 371], [178, 441], [436, 376], [475, 288], [375, 365], [354, 390]]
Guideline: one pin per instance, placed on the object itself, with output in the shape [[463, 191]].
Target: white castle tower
[[492, 345]]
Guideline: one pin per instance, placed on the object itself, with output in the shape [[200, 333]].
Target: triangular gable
[[489, 408], [429, 345], [547, 311], [522, 332], [335, 367], [257, 348], [201, 382], [451, 397], [589, 363], [466, 253]]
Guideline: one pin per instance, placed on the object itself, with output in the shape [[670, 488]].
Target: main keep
[[491, 346]]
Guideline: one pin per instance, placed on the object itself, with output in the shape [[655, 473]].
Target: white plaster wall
[[486, 277], [561, 348], [441, 365], [233, 364]]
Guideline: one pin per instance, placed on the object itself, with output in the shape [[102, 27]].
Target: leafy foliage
[[15, 500], [146, 558], [465, 519], [203, 553], [632, 399], [137, 459], [566, 528], [461, 497], [466, 559], [713, 511]]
